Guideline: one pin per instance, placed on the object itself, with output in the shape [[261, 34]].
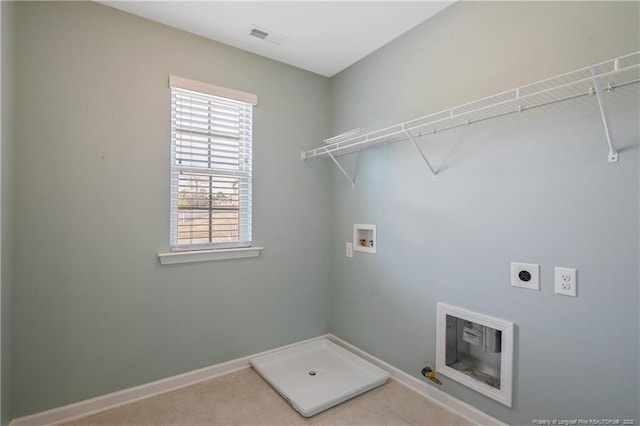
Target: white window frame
[[213, 250]]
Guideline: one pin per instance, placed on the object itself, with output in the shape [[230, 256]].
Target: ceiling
[[323, 37]]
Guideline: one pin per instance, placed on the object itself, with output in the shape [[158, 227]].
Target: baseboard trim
[[98, 404], [444, 400], [109, 401]]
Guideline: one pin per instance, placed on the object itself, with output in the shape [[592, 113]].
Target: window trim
[[212, 89], [175, 257]]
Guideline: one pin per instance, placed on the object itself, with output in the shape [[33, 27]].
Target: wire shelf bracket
[[598, 79], [434, 175], [351, 180], [597, 84]]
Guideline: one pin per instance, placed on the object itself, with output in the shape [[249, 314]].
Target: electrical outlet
[[566, 281], [349, 249], [525, 275]]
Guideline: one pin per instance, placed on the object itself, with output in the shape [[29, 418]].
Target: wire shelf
[[609, 75]]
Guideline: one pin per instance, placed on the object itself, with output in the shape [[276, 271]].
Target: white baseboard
[[112, 400], [445, 400], [95, 405]]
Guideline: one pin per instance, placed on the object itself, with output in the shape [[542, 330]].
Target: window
[[211, 129]]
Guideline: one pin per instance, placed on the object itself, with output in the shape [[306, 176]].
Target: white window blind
[[210, 166]]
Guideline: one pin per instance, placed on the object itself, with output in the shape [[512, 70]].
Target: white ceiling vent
[[267, 35], [259, 33]]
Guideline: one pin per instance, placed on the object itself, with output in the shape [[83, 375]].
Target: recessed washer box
[[475, 350], [364, 238], [317, 375]]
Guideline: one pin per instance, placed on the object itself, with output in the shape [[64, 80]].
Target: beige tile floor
[[244, 398]]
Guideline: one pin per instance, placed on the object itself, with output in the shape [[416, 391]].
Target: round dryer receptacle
[[524, 276]]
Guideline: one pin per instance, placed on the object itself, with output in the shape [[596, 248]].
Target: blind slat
[[204, 119], [212, 105], [184, 131]]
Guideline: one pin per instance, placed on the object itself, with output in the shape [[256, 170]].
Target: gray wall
[[8, 94], [533, 188], [93, 310]]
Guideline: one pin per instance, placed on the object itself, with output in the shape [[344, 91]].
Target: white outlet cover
[[349, 249], [525, 275], [566, 281]]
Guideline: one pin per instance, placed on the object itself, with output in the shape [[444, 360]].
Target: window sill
[[208, 255]]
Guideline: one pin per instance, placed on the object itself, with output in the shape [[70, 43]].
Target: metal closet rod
[[399, 132]]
